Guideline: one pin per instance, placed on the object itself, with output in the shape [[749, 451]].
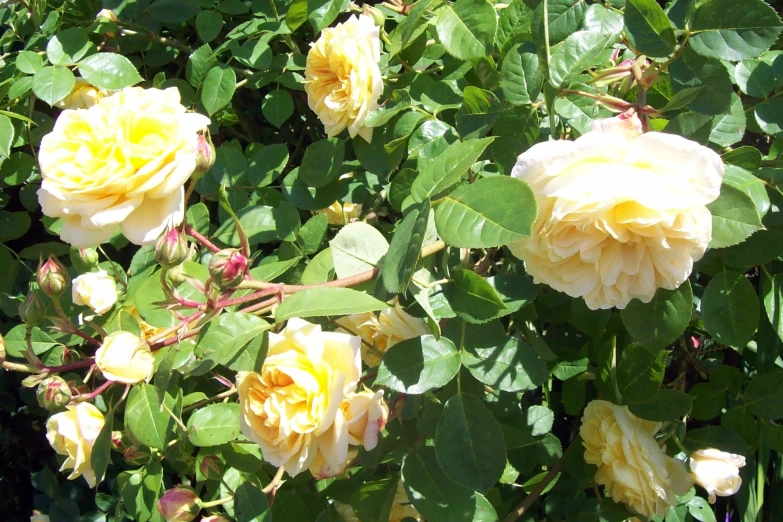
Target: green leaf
[[769, 115], [214, 424], [222, 339], [277, 107], [734, 217], [6, 138], [418, 365], [405, 248], [208, 25], [319, 302], [220, 82], [109, 71], [730, 309], [466, 29], [565, 17], [312, 233], [648, 28], [573, 56], [514, 24], [100, 458], [520, 75], [321, 13], [748, 183], [754, 78], [68, 46], [729, 128], [691, 71], [29, 62], [472, 298], [666, 405], [201, 61], [145, 419], [469, 443], [491, 212], [708, 400], [734, 31], [443, 171], [16, 344], [701, 510], [52, 84], [372, 501], [357, 248], [322, 162], [764, 396], [479, 111], [13, 225], [772, 292], [262, 224], [640, 372], [512, 366], [431, 492], [661, 321], [266, 164], [173, 12], [251, 504]]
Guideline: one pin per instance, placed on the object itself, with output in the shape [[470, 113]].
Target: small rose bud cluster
[[179, 504], [211, 467], [32, 309], [228, 268], [171, 249], [206, 154], [53, 393]]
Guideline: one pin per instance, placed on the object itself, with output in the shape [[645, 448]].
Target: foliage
[[485, 410]]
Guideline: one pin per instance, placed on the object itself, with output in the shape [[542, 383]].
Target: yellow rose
[[717, 472], [125, 357], [38, 517], [83, 96], [341, 213], [381, 333], [344, 81], [147, 330], [401, 508], [72, 433], [290, 406], [631, 466], [96, 290], [121, 163], [620, 213]]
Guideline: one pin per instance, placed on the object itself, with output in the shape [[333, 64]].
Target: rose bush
[[460, 260]]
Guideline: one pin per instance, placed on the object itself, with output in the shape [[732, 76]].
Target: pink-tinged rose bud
[[211, 467], [52, 277], [214, 518], [53, 393], [376, 14], [136, 456], [88, 257], [179, 504], [228, 268], [70, 356], [206, 154], [119, 442], [78, 387], [32, 309], [171, 249]]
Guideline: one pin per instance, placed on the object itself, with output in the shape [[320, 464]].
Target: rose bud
[[96, 290], [88, 257], [228, 268], [171, 249], [32, 309], [717, 472], [52, 277], [136, 456], [70, 356], [206, 154], [214, 518], [53, 393], [211, 467], [119, 442], [179, 504]]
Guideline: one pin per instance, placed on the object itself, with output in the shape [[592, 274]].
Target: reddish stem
[[260, 306], [246, 298], [97, 391], [68, 367], [201, 239], [92, 340], [174, 340]]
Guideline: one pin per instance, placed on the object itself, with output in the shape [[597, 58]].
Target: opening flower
[[621, 213], [72, 433]]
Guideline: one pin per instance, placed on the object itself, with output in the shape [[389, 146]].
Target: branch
[[201, 239]]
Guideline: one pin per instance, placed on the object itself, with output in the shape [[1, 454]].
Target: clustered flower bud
[[136, 456], [228, 268], [119, 442], [32, 309], [206, 154], [52, 277], [179, 504], [53, 393], [211, 467], [89, 257], [171, 248]]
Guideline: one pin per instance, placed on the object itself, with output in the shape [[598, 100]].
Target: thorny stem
[[201, 239], [68, 367], [219, 396], [97, 391], [272, 486]]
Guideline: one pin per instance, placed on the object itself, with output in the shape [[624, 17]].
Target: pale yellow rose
[[341, 213], [380, 333], [125, 357], [147, 330], [72, 433], [343, 79], [97, 290], [631, 465], [83, 96], [620, 213], [38, 517], [717, 472], [401, 508], [290, 406], [360, 421], [121, 163]]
